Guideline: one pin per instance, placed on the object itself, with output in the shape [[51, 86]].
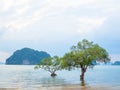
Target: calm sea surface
[[25, 76]]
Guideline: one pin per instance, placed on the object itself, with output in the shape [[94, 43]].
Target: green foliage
[[82, 55], [51, 64]]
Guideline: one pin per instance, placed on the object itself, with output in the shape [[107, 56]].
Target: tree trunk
[[82, 74], [53, 74], [83, 83]]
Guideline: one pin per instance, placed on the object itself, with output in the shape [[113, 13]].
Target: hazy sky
[[55, 25]]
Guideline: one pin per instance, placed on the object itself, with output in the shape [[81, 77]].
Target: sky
[[55, 25]]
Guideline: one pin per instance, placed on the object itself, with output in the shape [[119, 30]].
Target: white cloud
[[48, 7], [88, 25], [53, 20], [6, 5], [68, 3], [26, 14]]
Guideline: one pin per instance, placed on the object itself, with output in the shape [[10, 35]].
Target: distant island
[[116, 63], [26, 56], [107, 63]]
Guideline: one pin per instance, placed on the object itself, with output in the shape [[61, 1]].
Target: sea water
[[12, 76]]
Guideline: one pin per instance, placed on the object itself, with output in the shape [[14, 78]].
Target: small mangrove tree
[[51, 65]]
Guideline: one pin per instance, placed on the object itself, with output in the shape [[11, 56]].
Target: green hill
[[26, 56]]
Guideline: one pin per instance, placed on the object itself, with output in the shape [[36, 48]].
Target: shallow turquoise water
[[25, 76]]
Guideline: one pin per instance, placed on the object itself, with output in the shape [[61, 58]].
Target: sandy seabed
[[67, 87]]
